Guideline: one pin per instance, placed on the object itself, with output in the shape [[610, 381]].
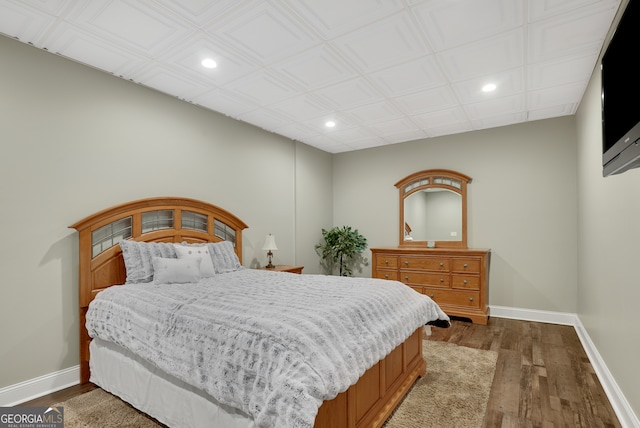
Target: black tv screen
[[621, 95]]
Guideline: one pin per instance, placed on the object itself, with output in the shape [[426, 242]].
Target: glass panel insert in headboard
[[157, 220], [224, 231], [194, 221], [109, 235]]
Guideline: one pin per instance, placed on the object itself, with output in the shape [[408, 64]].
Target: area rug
[[454, 393]]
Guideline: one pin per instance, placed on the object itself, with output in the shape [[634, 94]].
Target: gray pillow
[[137, 258], [224, 257]]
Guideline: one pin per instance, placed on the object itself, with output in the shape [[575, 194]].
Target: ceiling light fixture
[[330, 124], [209, 63], [489, 87]]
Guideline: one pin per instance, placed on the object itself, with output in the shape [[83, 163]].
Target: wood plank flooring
[[543, 376]]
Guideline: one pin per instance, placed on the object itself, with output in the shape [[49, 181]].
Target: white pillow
[[197, 252], [175, 271]]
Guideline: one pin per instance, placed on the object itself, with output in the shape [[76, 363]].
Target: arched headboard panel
[[162, 219]]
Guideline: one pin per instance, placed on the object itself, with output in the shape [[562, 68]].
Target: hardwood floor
[[543, 376], [60, 396]]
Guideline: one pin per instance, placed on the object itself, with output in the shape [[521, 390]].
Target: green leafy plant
[[342, 247]]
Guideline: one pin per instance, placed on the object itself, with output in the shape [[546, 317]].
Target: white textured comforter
[[273, 344]]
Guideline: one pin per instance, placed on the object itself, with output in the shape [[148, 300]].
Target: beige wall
[[608, 252], [521, 203], [314, 204], [75, 140]]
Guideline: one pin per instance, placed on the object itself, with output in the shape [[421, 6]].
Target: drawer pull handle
[[406, 262], [465, 265], [471, 299], [464, 282], [386, 276], [406, 278], [432, 295], [441, 279], [441, 263], [386, 262]]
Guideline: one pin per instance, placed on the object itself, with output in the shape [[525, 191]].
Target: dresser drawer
[[454, 297], [466, 265], [465, 282], [384, 261], [425, 263], [418, 289], [386, 274], [423, 278]]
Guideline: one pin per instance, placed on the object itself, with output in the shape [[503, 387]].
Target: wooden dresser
[[457, 279]]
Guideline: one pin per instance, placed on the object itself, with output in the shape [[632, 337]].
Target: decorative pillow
[[197, 251], [224, 257], [175, 271], [137, 258]]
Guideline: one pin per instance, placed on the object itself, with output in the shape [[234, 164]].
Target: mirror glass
[[433, 215], [433, 209]]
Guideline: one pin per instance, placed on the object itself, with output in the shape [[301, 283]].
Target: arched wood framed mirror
[[433, 209]]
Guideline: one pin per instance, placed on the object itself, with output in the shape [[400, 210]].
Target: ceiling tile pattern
[[385, 71]]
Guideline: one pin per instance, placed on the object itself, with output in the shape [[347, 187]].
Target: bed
[[318, 377]]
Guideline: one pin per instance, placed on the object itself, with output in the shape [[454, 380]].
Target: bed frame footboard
[[379, 391]]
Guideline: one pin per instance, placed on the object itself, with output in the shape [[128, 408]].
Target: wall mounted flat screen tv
[[621, 95]]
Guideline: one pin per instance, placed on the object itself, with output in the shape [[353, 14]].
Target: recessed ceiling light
[[209, 63], [489, 87], [330, 124]]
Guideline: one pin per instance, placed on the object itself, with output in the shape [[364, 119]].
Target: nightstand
[[285, 268]]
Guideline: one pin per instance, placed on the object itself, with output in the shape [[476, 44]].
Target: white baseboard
[[620, 404], [34, 388], [624, 412], [28, 390], [549, 317]]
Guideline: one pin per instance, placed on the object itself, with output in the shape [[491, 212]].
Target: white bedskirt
[[169, 400]]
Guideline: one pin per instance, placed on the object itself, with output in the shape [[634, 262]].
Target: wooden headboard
[[163, 219]]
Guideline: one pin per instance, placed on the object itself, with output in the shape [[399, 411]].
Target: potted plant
[[342, 246]]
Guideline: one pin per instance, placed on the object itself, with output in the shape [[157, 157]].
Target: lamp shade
[[270, 243]]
